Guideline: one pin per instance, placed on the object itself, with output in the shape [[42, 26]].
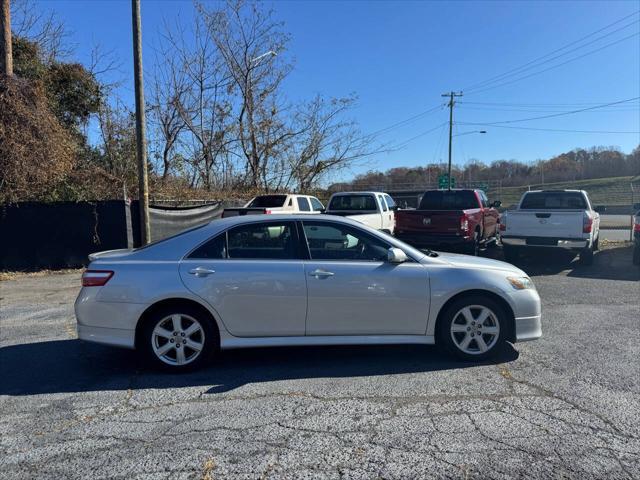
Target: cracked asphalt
[[566, 406]]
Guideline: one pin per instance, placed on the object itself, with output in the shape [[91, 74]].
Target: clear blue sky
[[399, 57]]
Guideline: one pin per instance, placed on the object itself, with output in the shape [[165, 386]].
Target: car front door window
[[342, 242]]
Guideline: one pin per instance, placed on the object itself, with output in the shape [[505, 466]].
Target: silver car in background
[[286, 280]]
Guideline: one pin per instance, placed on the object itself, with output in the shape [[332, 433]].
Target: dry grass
[[6, 276]]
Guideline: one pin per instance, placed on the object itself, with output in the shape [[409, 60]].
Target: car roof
[[242, 219], [359, 193]]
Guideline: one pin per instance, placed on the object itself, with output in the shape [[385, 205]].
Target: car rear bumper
[[544, 242], [107, 336], [435, 241]]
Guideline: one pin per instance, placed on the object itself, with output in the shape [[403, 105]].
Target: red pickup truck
[[457, 218]]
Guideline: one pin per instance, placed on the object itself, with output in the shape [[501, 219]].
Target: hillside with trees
[[578, 164]]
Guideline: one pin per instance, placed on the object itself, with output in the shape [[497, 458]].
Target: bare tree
[[191, 103]]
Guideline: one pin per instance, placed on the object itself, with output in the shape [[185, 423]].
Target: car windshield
[[267, 201], [448, 200], [352, 202], [553, 200]]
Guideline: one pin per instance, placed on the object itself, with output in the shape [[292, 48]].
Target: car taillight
[[96, 278], [587, 223], [502, 223], [636, 224], [464, 223], [266, 211]]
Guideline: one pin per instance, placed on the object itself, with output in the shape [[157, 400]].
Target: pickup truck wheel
[[474, 247], [511, 254], [586, 256], [473, 328], [636, 256]]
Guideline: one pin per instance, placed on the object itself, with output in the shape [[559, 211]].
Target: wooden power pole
[[6, 55], [451, 96], [141, 136]]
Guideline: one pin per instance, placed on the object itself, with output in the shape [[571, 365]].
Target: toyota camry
[[286, 280]]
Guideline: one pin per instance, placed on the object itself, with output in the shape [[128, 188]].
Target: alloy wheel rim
[[177, 339], [475, 329]]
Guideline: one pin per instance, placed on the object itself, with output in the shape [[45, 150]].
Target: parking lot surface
[[566, 406]]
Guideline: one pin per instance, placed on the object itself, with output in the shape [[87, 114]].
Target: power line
[[554, 66], [554, 129], [560, 114], [418, 136], [545, 110], [407, 121], [520, 68], [533, 104]]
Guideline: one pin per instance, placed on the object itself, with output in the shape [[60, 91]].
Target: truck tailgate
[[428, 221], [544, 223]]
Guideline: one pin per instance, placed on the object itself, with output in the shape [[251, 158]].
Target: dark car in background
[[461, 219]]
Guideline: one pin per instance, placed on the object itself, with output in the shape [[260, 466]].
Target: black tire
[[586, 256], [511, 254], [209, 339], [636, 255], [474, 247], [596, 244], [445, 337]]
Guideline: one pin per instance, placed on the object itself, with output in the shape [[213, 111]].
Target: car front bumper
[[528, 315]]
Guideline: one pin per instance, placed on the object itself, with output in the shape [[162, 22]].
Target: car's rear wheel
[[474, 247], [178, 339], [636, 256], [474, 328]]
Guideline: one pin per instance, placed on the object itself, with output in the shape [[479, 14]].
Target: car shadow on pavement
[[66, 366], [608, 264]]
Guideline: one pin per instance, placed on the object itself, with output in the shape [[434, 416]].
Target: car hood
[[468, 261]]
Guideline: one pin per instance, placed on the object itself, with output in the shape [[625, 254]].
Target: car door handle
[[321, 273], [201, 271]]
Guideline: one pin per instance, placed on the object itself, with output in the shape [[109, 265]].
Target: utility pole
[[6, 55], [451, 96], [141, 138]]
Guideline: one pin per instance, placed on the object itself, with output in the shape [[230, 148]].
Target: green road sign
[[443, 181]]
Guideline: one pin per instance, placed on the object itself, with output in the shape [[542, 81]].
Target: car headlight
[[521, 283]]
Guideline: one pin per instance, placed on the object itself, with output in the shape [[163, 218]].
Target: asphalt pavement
[[566, 406]]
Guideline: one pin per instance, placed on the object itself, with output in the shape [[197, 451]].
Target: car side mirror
[[636, 206], [600, 209], [496, 204], [394, 208], [396, 255], [323, 210]]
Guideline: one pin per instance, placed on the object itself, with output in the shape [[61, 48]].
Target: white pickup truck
[[277, 203], [374, 209], [551, 219]]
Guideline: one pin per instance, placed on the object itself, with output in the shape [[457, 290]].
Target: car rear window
[[448, 200], [353, 202], [553, 200], [268, 201]]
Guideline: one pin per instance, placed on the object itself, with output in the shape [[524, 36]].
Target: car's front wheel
[[473, 328], [178, 339]]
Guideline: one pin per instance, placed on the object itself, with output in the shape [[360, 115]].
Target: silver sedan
[[281, 280]]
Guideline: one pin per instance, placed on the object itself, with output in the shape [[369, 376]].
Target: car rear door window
[[214, 248], [303, 204], [341, 242], [268, 240]]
